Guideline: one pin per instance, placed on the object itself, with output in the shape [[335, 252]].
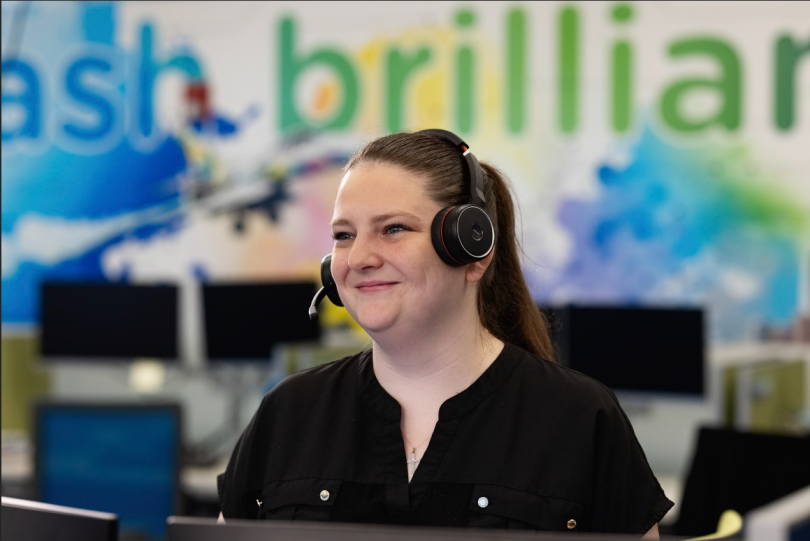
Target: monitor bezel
[[34, 514], [58, 509]]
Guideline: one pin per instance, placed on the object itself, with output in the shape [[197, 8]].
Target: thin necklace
[[413, 462]]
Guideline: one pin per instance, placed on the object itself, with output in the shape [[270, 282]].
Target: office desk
[[17, 471], [196, 481]]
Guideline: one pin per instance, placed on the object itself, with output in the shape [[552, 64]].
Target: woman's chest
[[443, 504], [465, 478]]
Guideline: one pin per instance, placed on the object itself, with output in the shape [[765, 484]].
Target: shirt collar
[[386, 407]]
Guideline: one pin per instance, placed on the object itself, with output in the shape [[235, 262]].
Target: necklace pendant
[[413, 462]]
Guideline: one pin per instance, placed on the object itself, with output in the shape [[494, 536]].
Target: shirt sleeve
[[240, 486], [627, 497]]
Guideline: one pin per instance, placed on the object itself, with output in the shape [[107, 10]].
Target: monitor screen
[[121, 459], [245, 321], [108, 321], [657, 350]]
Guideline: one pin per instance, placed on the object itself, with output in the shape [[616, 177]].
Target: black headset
[[461, 234]]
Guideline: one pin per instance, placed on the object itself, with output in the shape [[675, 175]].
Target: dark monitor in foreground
[[658, 350], [24, 520], [100, 321], [244, 321], [191, 529], [115, 458]]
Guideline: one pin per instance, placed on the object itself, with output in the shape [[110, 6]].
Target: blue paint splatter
[[669, 228]]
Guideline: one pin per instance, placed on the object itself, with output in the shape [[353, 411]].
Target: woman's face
[[386, 269]]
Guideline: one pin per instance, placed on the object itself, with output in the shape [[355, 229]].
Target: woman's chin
[[376, 320]]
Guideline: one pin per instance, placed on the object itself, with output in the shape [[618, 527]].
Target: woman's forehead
[[377, 189]]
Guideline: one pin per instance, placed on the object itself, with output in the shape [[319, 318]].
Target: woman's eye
[[394, 228], [340, 236]]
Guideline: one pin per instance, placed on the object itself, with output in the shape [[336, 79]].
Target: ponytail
[[505, 306]]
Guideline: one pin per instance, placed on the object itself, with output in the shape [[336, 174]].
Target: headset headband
[[474, 171]]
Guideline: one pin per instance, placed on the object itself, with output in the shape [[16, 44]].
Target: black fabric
[[546, 446], [740, 471]]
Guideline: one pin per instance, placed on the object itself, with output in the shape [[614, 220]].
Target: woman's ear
[[475, 271]]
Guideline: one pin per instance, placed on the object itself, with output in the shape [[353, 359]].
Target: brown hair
[[505, 307]]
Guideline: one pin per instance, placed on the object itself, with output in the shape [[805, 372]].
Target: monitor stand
[[239, 382]]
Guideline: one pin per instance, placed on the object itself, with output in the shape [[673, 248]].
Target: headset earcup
[[436, 237], [462, 235], [329, 282]]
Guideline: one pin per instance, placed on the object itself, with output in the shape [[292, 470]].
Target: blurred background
[[169, 171]]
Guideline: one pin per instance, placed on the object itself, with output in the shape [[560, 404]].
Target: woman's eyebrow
[[388, 216], [379, 218]]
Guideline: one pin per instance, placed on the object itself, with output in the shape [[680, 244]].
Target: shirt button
[[482, 502], [324, 495], [572, 524]]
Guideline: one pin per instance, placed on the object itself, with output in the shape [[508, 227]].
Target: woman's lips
[[374, 286]]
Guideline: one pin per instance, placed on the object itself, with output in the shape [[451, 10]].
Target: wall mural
[[658, 152]]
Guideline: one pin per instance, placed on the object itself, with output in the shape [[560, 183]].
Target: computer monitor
[[102, 321], [115, 458], [647, 350], [24, 520], [192, 529], [244, 321]]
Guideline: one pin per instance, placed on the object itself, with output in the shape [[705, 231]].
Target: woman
[[457, 415]]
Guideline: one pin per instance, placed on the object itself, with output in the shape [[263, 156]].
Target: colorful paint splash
[[681, 226], [206, 198]]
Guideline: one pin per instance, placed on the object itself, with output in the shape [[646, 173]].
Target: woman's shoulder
[[558, 382], [321, 382]]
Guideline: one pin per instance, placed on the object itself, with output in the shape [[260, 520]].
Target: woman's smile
[[375, 286]]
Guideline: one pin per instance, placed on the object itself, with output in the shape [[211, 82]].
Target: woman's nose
[[364, 254]]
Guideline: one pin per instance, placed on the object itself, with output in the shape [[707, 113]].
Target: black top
[[529, 445]]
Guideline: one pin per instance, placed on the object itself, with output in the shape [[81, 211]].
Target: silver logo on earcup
[[476, 232]]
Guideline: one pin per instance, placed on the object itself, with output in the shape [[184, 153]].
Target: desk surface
[[196, 481]]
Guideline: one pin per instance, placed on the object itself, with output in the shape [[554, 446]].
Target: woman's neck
[[428, 369], [422, 367]]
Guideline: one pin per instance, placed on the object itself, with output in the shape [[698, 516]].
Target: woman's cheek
[[340, 269]]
